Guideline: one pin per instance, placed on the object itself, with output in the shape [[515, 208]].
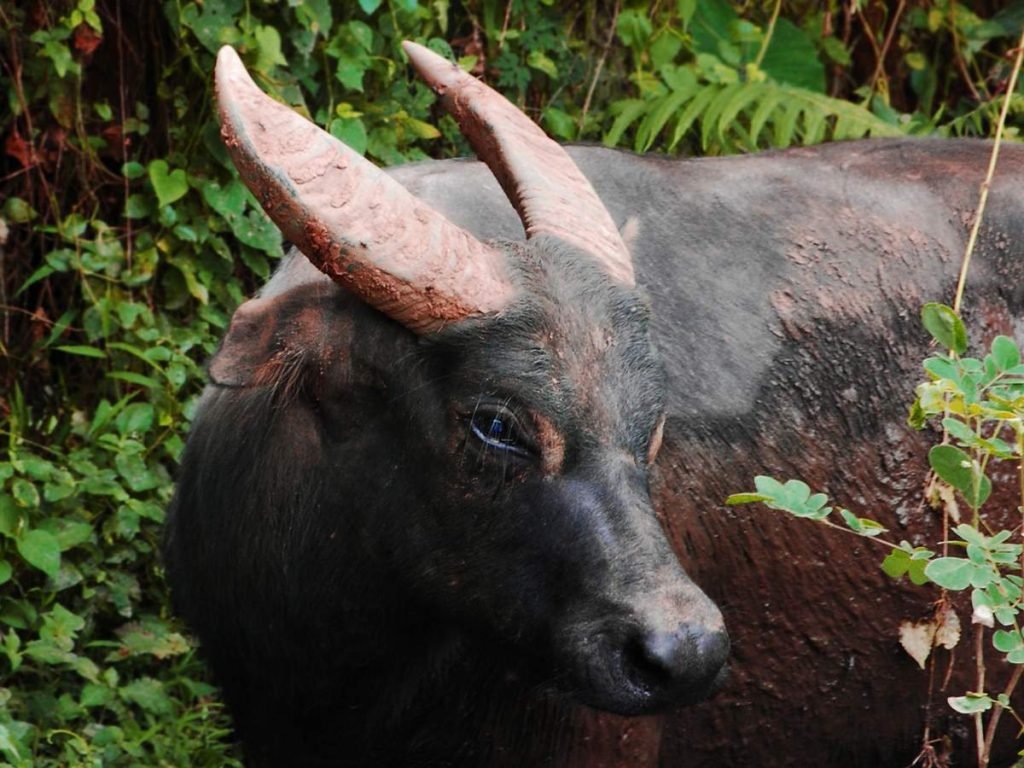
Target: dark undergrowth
[[126, 241]]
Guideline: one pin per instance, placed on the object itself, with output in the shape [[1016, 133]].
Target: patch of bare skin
[[356, 223], [656, 438], [551, 444]]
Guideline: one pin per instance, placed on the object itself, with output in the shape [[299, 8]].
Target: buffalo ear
[[247, 346], [274, 341]]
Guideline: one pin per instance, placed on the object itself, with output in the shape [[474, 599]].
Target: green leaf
[[68, 533], [952, 573], [94, 695], [768, 102], [40, 550], [420, 129], [559, 123], [793, 496], [896, 563], [135, 472], [916, 572], [82, 350], [255, 229], [971, 704], [195, 288], [693, 109], [960, 471], [960, 431], [136, 418], [792, 58], [133, 170], [686, 9], [1007, 640], [542, 62], [61, 626], [227, 200], [214, 25], [945, 327], [659, 113], [138, 206], [170, 186], [711, 25], [664, 49], [268, 49], [18, 211], [351, 131], [6, 570], [745, 498], [9, 515], [634, 28], [971, 535], [9, 746], [369, 6], [151, 638], [25, 493], [40, 274], [1005, 353], [862, 526], [626, 112], [148, 694], [135, 378], [943, 368], [350, 73]]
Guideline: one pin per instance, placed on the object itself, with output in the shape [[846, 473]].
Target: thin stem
[[979, 728], [768, 34], [958, 58], [597, 70], [875, 539], [128, 238], [986, 184], [504, 25], [993, 721], [881, 53], [1019, 430]]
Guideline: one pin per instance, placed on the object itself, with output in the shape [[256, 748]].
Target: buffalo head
[[464, 432]]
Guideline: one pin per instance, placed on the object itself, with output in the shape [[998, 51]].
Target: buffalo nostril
[[685, 661], [713, 648]]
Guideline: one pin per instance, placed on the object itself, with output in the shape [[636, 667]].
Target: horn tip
[[228, 62], [436, 71], [230, 76]]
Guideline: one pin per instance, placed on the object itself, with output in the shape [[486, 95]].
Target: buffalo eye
[[497, 427]]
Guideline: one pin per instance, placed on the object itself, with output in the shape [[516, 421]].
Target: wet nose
[[681, 665]]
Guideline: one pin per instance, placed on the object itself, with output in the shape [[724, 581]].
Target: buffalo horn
[[352, 220], [538, 176]]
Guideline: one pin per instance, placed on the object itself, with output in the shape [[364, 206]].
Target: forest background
[[126, 241]]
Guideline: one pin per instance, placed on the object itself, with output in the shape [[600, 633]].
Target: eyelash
[[497, 427]]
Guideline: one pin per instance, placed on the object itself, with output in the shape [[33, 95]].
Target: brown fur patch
[[551, 444]]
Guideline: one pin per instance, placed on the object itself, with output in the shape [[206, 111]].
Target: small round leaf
[[41, 550], [945, 327]]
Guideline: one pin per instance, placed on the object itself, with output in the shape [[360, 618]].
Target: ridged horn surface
[[352, 220], [538, 176]]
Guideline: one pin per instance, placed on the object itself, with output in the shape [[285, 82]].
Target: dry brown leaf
[[86, 40], [947, 633], [918, 640], [948, 498]]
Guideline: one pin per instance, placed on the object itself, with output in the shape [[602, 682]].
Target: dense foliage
[[126, 241]]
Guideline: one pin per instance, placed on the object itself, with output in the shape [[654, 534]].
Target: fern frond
[[749, 115]]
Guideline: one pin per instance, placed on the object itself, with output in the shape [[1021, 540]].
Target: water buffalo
[[434, 501]]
